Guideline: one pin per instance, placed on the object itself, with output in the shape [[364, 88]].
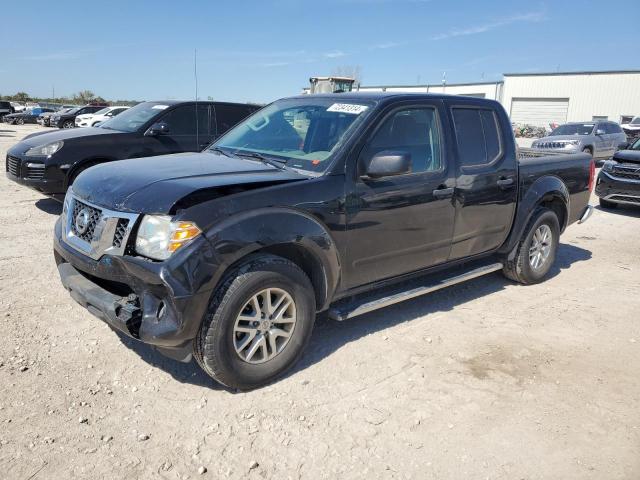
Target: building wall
[[590, 94]]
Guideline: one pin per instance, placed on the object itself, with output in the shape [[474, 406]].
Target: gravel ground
[[485, 380]]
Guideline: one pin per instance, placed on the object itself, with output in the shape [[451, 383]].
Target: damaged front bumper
[[154, 302]]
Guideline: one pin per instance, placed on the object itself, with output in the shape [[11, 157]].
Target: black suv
[[49, 161], [68, 119], [5, 109]]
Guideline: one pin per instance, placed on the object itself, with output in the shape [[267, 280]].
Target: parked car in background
[[29, 115], [5, 109], [632, 129], [228, 255], [91, 119], [598, 139], [18, 107], [50, 161], [68, 118], [44, 118], [619, 179]]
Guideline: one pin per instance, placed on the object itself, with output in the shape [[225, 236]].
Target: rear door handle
[[443, 193], [505, 183]]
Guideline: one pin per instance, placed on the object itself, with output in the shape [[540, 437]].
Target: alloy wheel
[[540, 247], [264, 325]]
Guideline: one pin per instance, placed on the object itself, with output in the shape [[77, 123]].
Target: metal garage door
[[539, 111]]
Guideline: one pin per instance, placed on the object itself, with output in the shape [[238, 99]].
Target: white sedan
[[91, 119]]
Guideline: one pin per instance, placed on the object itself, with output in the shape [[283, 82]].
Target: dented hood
[[156, 184]]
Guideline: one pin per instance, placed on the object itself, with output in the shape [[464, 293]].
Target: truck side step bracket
[[345, 309]]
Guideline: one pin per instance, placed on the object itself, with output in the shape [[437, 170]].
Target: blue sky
[[251, 50]]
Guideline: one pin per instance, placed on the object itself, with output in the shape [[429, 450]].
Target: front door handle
[[441, 193], [505, 183]]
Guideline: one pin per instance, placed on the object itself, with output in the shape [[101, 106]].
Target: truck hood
[[42, 138], [627, 156], [162, 184]]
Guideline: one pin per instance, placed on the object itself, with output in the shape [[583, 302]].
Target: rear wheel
[[536, 251], [257, 324], [607, 204]]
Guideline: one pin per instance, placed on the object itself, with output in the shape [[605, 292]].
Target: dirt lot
[[486, 380]]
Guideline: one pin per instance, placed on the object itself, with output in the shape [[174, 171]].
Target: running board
[[343, 310]]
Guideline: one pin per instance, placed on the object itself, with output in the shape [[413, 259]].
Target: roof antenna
[[195, 77]]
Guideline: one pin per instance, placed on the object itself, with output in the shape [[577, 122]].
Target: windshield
[[301, 133], [573, 129], [635, 121], [133, 118]]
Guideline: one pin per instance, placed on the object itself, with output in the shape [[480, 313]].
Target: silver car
[[600, 139]]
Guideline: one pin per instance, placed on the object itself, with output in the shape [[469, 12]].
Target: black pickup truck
[[340, 203]]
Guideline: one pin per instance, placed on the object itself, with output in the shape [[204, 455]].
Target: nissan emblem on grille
[[82, 221]]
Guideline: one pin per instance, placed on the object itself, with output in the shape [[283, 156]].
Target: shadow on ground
[[330, 336], [49, 205]]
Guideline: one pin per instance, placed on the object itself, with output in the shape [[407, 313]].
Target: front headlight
[[45, 150], [608, 166], [158, 237]]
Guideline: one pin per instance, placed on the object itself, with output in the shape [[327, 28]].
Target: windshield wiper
[[269, 161], [219, 150]]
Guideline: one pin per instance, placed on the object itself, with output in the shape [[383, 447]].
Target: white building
[[544, 98], [541, 98]]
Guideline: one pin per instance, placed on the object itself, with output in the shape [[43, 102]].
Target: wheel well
[[557, 206], [588, 147], [309, 264], [80, 166]]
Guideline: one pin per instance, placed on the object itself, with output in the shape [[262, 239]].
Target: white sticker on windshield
[[160, 107], [347, 108]]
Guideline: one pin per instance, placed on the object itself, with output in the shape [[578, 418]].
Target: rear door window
[[478, 136], [228, 116]]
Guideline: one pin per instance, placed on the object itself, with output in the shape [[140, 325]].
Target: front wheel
[[68, 124], [258, 323], [536, 251], [20, 121]]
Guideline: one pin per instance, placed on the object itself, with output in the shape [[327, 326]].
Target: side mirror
[[157, 129], [599, 132], [389, 163]]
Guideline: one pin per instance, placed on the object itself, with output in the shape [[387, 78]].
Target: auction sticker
[[347, 108]]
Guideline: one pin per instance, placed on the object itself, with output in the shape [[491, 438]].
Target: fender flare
[[543, 189], [243, 234]]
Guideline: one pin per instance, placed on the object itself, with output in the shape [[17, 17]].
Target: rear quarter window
[[478, 136]]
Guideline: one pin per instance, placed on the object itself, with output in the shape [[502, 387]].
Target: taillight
[[592, 174]]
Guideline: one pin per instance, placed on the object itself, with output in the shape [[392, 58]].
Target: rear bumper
[[147, 301], [618, 191]]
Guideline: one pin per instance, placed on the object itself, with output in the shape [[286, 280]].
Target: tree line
[[80, 98]]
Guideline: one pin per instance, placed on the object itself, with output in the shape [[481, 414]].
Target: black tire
[[214, 348], [78, 171], [587, 150], [68, 124], [607, 204], [520, 268], [20, 121]]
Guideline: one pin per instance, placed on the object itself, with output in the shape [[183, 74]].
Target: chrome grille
[[13, 166], [33, 171], [121, 231], [93, 215], [631, 173], [101, 231]]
